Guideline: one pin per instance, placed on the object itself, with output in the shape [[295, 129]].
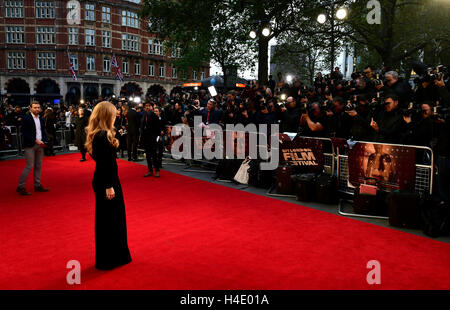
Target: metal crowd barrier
[[423, 174], [16, 144], [62, 142]]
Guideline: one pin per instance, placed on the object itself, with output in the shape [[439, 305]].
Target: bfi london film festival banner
[[390, 167], [304, 154]]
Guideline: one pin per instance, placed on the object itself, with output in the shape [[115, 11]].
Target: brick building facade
[[38, 37]]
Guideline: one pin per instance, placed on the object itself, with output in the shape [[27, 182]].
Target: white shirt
[[37, 122], [68, 118]]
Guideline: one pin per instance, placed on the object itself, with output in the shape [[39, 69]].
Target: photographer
[[443, 145], [390, 126], [360, 126], [338, 122], [400, 88], [291, 117], [210, 115], [312, 122]]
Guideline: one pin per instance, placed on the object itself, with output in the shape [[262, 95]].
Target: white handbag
[[242, 174]]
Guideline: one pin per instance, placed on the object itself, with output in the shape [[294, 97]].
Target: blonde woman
[[111, 246]]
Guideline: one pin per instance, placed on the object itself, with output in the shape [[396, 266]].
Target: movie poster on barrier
[[305, 154], [390, 167]]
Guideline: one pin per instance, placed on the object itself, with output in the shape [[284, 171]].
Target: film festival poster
[[304, 154], [390, 167]]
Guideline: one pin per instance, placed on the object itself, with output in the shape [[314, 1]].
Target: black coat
[[28, 130], [402, 90], [80, 133], [133, 122], [151, 127], [391, 126]]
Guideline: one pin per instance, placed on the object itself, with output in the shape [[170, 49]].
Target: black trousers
[[83, 151], [132, 143], [151, 154]]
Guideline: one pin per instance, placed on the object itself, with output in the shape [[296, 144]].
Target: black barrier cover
[[305, 154]]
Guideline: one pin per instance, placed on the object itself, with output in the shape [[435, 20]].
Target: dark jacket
[[392, 127], [402, 90], [80, 133], [28, 130], [133, 122], [214, 116], [151, 127]]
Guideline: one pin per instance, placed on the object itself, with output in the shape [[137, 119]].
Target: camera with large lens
[[350, 106], [326, 105], [378, 102], [440, 112], [412, 110], [304, 108]]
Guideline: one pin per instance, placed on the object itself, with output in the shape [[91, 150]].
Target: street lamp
[[341, 13], [322, 18], [253, 34], [266, 31]]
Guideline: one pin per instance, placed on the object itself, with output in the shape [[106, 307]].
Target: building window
[[16, 60], [106, 14], [125, 66], [151, 70], [202, 75], [15, 34], [155, 47], [162, 70], [45, 35], [45, 9], [90, 12], [106, 39], [130, 42], [137, 68], [130, 19], [73, 36], [90, 37], [106, 64], [174, 73], [14, 9], [194, 75], [46, 61], [74, 61], [90, 63], [176, 51]]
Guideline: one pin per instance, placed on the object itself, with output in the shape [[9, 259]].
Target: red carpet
[[189, 234]]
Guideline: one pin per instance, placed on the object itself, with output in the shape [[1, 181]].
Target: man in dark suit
[[133, 132], [210, 115], [151, 129], [34, 138]]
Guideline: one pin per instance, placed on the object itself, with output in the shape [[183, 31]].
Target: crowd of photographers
[[371, 106]]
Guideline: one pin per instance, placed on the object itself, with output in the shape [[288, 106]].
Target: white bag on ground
[[242, 174]]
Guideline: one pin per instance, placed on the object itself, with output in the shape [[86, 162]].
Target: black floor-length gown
[[111, 246]]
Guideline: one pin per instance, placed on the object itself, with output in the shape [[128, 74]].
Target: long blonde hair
[[102, 118]]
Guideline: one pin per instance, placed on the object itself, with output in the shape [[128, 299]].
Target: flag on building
[[115, 64], [74, 75]]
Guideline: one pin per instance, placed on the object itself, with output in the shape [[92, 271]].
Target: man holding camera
[[390, 126], [399, 88], [312, 124], [34, 138]]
